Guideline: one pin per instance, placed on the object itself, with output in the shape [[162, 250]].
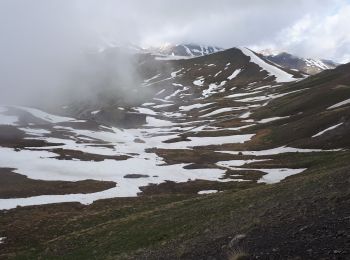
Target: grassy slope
[[196, 227]]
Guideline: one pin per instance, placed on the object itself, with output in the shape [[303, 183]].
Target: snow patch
[[213, 89], [271, 119], [345, 102], [277, 150], [199, 82], [207, 192], [277, 175], [326, 130], [219, 111], [194, 106], [280, 75], [234, 74]]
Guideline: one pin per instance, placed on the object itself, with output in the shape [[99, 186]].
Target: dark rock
[[136, 176]]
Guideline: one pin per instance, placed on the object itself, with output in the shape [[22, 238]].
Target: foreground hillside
[[306, 216], [219, 155]]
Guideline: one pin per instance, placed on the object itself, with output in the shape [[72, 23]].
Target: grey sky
[[306, 27], [42, 40]]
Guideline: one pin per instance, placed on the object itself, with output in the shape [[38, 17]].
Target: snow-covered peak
[[317, 63], [290, 61], [189, 50], [279, 74]]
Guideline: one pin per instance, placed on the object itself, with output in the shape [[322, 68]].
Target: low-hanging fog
[[49, 48], [49, 54]]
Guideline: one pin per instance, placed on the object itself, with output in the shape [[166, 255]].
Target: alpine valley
[[210, 152]]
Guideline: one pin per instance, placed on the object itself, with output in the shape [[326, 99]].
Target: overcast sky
[[306, 27], [42, 41]]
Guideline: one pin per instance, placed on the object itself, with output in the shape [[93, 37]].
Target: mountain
[[186, 50], [206, 158], [305, 65]]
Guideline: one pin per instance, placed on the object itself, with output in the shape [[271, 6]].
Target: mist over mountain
[[43, 41], [184, 50], [160, 130]]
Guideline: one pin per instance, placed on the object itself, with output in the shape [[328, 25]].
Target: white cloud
[[318, 35], [41, 39]]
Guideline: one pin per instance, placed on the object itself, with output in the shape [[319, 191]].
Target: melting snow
[[234, 74], [194, 106], [277, 175], [174, 74], [164, 105], [158, 93], [326, 130], [210, 140], [245, 115], [198, 82], [271, 119], [95, 112], [345, 102], [150, 79], [280, 75], [217, 74], [40, 164], [154, 122], [242, 94], [173, 94], [207, 192], [316, 63], [145, 111], [219, 111], [278, 150], [149, 104], [212, 89], [236, 163]]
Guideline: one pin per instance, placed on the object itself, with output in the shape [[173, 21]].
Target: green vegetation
[[177, 225]]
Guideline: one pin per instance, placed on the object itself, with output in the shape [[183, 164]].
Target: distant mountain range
[[283, 59], [305, 65], [187, 50]]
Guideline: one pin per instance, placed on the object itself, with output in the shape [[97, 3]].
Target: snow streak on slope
[[234, 74], [326, 130], [340, 104], [317, 63], [280, 75]]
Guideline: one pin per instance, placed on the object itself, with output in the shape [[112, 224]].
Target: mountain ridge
[[213, 155]]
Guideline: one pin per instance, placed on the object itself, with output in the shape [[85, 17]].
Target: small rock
[[236, 240], [135, 176], [138, 140]]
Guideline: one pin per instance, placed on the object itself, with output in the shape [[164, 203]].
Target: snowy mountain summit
[[187, 50], [286, 60]]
